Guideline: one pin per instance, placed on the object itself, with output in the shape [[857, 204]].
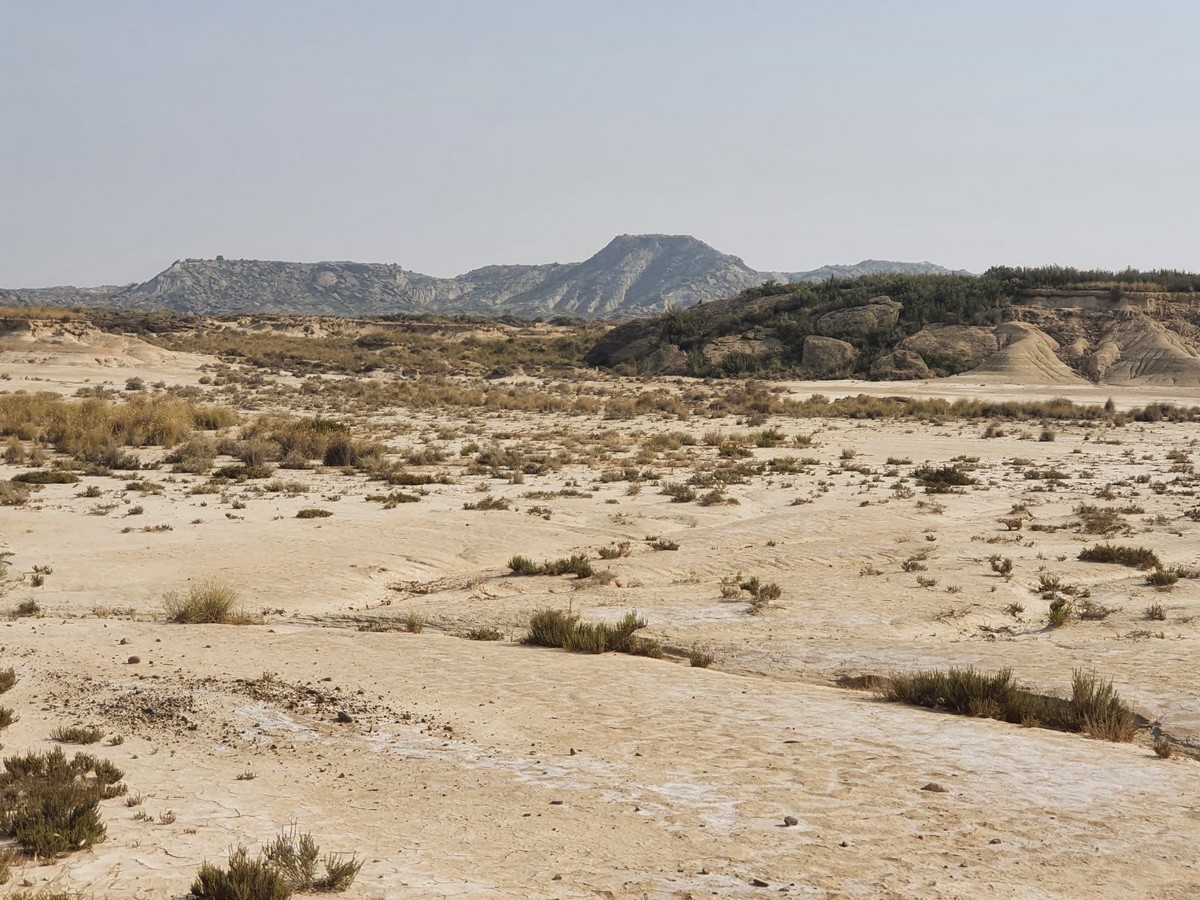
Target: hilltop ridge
[[632, 275]]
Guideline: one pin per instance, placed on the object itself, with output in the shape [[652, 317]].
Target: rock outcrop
[[950, 349], [1140, 350], [878, 316], [900, 365], [1027, 355], [826, 357], [759, 342]]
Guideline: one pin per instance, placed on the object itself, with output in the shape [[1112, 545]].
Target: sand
[[492, 769]]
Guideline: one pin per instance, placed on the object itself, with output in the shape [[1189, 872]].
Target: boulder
[[826, 357], [950, 349], [666, 360], [879, 314], [900, 365], [755, 342]]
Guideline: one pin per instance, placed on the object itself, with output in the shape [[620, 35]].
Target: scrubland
[[516, 628]]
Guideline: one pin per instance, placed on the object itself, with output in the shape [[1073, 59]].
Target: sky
[[448, 135]]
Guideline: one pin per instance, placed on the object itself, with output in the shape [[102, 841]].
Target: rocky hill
[[633, 275], [1005, 325]]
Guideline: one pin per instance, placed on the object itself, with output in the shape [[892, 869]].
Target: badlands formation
[[367, 702]]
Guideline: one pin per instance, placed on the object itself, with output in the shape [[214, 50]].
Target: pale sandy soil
[[477, 769]]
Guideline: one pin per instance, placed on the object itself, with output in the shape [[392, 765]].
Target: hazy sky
[[447, 135]]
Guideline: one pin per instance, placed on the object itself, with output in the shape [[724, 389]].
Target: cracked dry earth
[[462, 768]]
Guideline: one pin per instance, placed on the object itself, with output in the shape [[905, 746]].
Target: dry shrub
[[88, 427]]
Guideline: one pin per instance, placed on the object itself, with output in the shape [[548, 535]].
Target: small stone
[[758, 882], [790, 821], [344, 718], [844, 844], [134, 660], [935, 788], [995, 841]]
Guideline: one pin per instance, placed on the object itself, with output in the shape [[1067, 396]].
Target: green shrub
[[47, 476], [615, 551], [75, 734], [51, 805], [1060, 612], [679, 493], [523, 565], [488, 503], [484, 634], [555, 628], [577, 565], [1162, 578], [1094, 707], [550, 628], [243, 878], [941, 479], [243, 472], [311, 512], [1135, 557]]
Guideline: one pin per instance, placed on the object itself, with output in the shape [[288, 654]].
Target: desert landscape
[[284, 593]]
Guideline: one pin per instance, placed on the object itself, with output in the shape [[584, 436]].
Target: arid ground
[[366, 701]]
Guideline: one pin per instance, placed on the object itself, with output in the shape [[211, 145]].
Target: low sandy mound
[[1141, 351], [1027, 356], [77, 343]]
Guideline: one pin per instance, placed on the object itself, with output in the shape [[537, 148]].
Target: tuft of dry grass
[[207, 603], [76, 734]]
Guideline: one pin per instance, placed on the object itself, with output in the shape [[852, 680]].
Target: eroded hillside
[[898, 328]]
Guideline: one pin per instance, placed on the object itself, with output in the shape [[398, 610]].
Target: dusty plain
[[490, 768]]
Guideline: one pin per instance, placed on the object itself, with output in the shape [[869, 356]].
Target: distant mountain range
[[634, 275]]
